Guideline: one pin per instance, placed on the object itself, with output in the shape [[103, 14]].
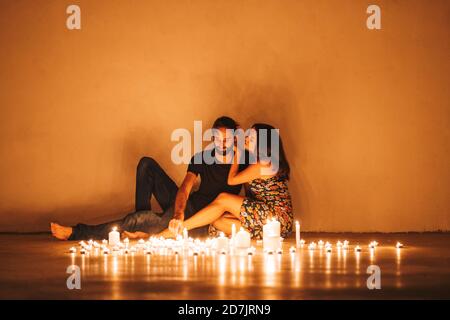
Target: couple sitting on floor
[[217, 205]]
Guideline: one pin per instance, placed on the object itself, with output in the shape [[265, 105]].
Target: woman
[[267, 196]]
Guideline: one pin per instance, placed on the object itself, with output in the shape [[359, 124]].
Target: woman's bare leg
[[225, 224], [225, 202]]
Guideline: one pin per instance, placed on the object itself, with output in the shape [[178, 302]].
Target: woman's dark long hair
[[283, 169]]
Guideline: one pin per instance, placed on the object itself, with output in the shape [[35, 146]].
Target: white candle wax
[[114, 237], [271, 235], [272, 243], [242, 239], [233, 234], [222, 243]]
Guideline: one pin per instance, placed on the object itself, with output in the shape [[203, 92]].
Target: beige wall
[[364, 114]]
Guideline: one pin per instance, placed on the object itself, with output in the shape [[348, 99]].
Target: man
[[177, 203]]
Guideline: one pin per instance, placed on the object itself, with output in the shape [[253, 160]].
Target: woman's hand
[[134, 235]]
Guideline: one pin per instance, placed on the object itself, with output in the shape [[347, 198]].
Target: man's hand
[[176, 226]]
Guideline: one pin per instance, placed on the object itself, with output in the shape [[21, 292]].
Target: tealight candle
[[320, 243], [302, 242], [105, 250], [292, 250], [114, 237], [83, 251], [357, 249], [345, 245], [73, 250], [399, 245], [280, 251]]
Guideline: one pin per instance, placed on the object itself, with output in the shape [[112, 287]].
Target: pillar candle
[[242, 239], [222, 243], [271, 235], [297, 233], [114, 237]]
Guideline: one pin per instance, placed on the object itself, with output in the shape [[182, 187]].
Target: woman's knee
[[221, 198]]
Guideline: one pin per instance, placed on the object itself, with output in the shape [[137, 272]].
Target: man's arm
[[181, 200]]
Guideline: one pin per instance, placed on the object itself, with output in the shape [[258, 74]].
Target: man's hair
[[225, 122]]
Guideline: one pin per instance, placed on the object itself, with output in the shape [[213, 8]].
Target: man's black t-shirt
[[214, 179]]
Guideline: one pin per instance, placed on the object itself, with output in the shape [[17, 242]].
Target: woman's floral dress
[[266, 198]]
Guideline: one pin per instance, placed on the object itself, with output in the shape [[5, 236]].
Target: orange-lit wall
[[365, 115]]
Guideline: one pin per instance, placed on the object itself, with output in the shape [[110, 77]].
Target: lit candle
[[233, 234], [357, 249], [292, 249], [373, 244], [280, 251], [83, 251], [297, 234], [222, 243], [242, 239], [73, 250], [271, 235], [399, 245], [114, 237], [104, 242], [345, 245], [302, 243], [251, 251], [320, 243]]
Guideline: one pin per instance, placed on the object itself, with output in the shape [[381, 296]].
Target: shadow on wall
[[246, 102], [249, 103]]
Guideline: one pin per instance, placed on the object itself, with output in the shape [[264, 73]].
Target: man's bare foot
[[60, 232], [134, 235]]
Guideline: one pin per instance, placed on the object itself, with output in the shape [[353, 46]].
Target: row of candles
[[239, 243]]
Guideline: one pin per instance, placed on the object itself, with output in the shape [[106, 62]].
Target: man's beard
[[222, 152]]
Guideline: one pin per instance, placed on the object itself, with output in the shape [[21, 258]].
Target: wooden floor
[[34, 267]]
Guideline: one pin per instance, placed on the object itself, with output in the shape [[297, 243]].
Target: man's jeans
[[150, 180]]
